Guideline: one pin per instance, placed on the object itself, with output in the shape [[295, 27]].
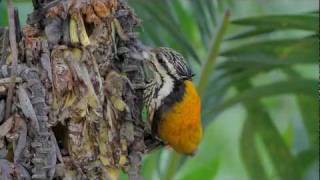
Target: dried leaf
[[53, 30], [2, 104], [61, 171], [9, 80], [70, 99], [97, 145], [30, 31], [27, 107], [79, 109], [55, 11], [5, 169], [123, 160], [6, 127], [21, 129], [105, 151], [83, 75], [46, 65], [73, 30], [83, 36], [62, 76], [105, 160], [3, 90], [118, 103], [91, 17], [113, 173], [21, 172], [51, 165], [119, 30], [100, 8]]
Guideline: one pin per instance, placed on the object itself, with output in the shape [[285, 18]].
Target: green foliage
[[249, 151], [286, 51], [300, 86], [253, 48], [24, 7], [280, 155], [3, 13], [200, 169], [212, 56], [279, 22]]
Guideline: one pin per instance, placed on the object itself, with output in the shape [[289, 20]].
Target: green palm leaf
[[308, 22], [298, 86]]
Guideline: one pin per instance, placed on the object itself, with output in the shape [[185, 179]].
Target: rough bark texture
[[77, 110]]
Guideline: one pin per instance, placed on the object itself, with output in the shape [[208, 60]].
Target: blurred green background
[[256, 69]]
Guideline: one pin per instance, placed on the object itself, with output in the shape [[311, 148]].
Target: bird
[[174, 106]]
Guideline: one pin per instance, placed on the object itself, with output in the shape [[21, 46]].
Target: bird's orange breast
[[180, 127]]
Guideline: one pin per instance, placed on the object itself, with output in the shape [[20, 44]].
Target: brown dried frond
[[62, 76], [30, 31], [90, 15], [55, 11], [100, 8]]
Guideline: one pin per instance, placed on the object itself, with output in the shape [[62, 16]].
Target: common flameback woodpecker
[[173, 103]]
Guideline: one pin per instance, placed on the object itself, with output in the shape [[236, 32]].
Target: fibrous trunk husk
[[78, 96]]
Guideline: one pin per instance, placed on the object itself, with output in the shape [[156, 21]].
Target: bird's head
[[167, 61]]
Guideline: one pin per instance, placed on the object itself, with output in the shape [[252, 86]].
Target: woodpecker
[[172, 101]]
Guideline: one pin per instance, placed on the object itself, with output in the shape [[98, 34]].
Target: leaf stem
[[213, 54]]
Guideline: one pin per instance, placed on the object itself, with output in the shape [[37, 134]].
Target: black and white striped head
[[169, 71], [173, 62]]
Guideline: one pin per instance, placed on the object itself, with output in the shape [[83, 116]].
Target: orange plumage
[[181, 127]]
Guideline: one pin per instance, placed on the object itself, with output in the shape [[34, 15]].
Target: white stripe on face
[[168, 83]]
